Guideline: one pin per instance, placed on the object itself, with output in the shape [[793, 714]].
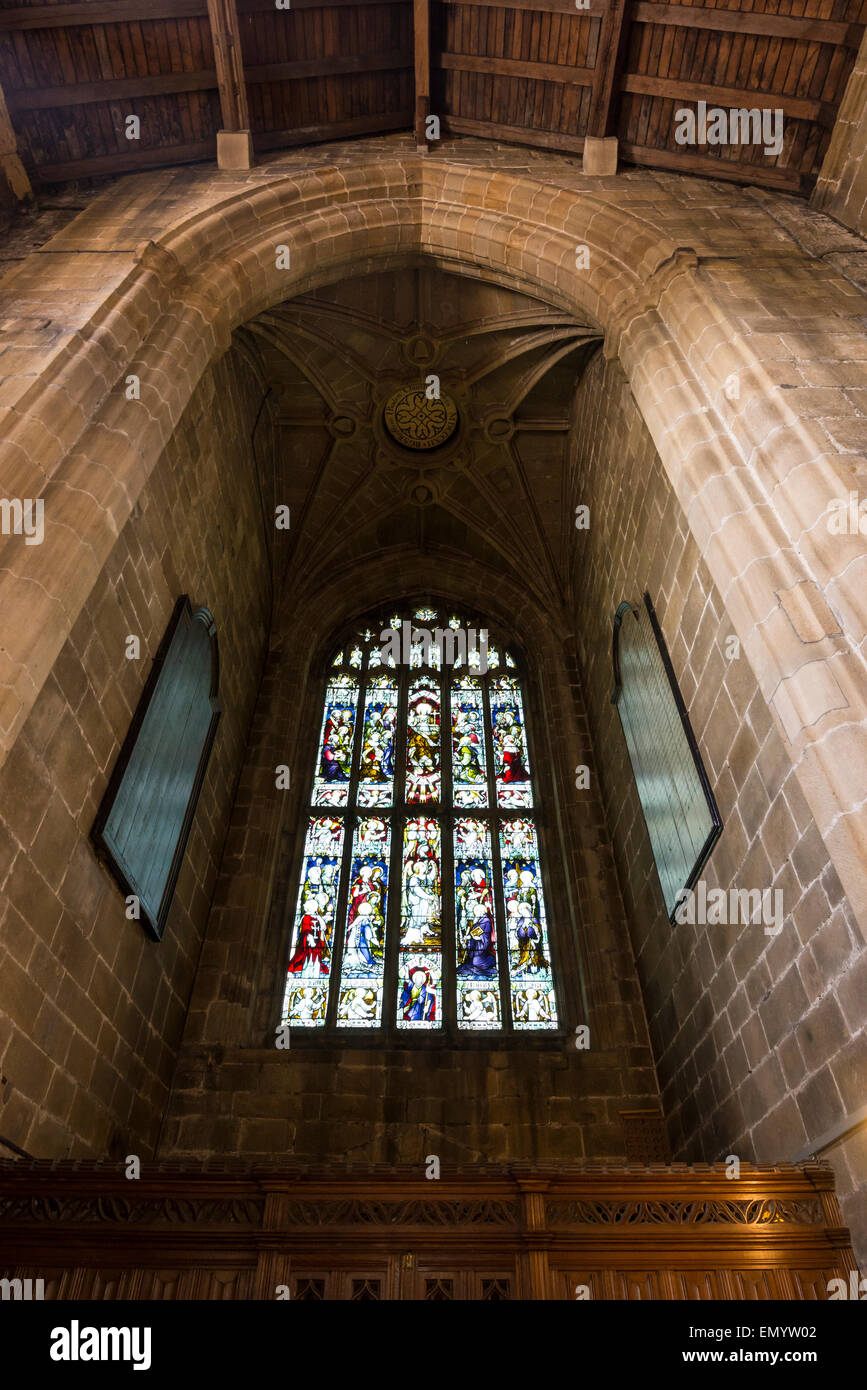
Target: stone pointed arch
[[700, 332]]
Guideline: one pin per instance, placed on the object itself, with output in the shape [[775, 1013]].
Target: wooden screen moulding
[[505, 1232], [145, 817], [685, 825]]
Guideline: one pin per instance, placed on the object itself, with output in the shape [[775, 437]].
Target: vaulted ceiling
[[539, 72], [424, 408]]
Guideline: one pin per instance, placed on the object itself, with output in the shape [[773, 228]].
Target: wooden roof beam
[[513, 135], [14, 183], [421, 46], [234, 141], [753, 22], [708, 166], [20, 17], [596, 9], [175, 83], [520, 67], [800, 108], [602, 120], [200, 151]]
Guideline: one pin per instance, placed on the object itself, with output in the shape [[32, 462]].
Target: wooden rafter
[[421, 44], [512, 134], [709, 166], [12, 172], [22, 17], [612, 42], [506, 67], [495, 86], [162, 155], [223, 19], [594, 10], [803, 108], [753, 22], [125, 88]]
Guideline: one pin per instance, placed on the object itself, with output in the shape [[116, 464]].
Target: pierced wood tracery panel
[[760, 1212], [600, 1232], [353, 1211]]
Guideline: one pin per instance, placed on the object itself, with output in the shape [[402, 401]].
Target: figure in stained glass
[[468, 744], [423, 743], [366, 924], [361, 973], [377, 763], [359, 1007], [533, 1003], [418, 996], [479, 1008], [313, 935], [509, 745], [422, 895], [532, 1006], [511, 763], [311, 955], [337, 745], [370, 787], [475, 932], [480, 958], [376, 768], [305, 1004]]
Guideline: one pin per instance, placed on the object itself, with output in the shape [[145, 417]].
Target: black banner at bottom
[[219, 1340]]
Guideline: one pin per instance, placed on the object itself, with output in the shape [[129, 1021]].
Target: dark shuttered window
[[679, 807], [145, 818]]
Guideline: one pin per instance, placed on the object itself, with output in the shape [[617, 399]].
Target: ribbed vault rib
[[333, 359]]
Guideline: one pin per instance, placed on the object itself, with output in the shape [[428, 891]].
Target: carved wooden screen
[[147, 812], [492, 1234], [682, 819]]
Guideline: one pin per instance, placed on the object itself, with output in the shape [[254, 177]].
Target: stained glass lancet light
[[421, 890]]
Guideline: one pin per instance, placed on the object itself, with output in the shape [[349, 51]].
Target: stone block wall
[[490, 1101], [92, 1010], [759, 1040]]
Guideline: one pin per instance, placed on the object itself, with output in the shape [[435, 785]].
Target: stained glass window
[[420, 884]]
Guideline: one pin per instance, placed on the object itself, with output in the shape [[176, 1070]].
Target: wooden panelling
[[644, 62], [537, 72], [634, 1233]]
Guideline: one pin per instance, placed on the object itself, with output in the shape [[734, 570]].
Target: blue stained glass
[[360, 1000], [309, 969], [423, 743], [475, 930], [470, 783], [511, 763], [534, 1005], [486, 942], [420, 977], [376, 769], [331, 785]]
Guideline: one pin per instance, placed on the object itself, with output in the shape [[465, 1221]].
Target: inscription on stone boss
[[417, 422]]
